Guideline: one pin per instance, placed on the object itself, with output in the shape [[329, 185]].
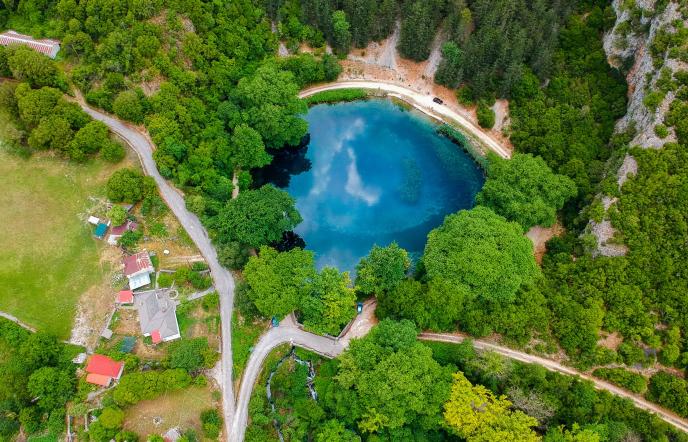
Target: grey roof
[[157, 312]]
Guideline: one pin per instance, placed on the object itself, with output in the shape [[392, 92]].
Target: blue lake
[[378, 174]]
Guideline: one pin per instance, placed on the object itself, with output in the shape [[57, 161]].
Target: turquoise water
[[378, 174]]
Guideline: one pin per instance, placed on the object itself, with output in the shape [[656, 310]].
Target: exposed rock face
[[633, 50], [642, 76]]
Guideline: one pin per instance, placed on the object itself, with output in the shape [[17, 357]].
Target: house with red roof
[[117, 231], [137, 268], [44, 46], [125, 297], [103, 370]]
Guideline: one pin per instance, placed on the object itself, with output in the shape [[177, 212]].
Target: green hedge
[[336, 95], [623, 378]]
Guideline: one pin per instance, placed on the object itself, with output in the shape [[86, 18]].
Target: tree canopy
[[477, 254], [257, 217], [524, 189]]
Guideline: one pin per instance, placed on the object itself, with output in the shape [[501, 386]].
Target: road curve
[[421, 102], [275, 337], [222, 278], [665, 415]]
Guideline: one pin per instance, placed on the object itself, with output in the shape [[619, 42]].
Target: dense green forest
[[203, 78], [390, 387]]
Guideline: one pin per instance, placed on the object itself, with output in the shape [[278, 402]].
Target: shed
[[94, 220], [125, 297]]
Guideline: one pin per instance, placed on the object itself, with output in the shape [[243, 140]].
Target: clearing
[[159, 415], [49, 255]]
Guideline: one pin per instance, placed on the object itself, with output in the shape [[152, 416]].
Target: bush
[[336, 95], [111, 418], [212, 421], [130, 239], [486, 116], [661, 131], [669, 391], [113, 152], [127, 106], [165, 280], [191, 354], [125, 185], [232, 255], [623, 378], [141, 386], [117, 215]]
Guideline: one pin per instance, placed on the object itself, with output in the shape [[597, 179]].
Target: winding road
[[423, 103], [222, 278], [236, 413]]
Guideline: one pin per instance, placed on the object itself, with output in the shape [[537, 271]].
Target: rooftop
[[44, 46], [157, 315], [104, 366], [139, 262]]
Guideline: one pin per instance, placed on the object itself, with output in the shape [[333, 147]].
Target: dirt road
[[222, 278], [421, 102]]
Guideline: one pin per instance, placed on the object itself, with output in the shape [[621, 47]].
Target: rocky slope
[[628, 47]]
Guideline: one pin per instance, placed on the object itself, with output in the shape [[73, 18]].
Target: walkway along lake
[[374, 173]]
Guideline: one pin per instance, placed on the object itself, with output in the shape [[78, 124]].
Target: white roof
[[139, 280], [94, 220]]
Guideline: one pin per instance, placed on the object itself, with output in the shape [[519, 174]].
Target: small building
[[44, 46], [103, 370], [93, 220], [117, 231], [101, 230], [137, 268], [157, 316], [125, 297]]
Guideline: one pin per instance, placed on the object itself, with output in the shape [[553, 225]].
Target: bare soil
[[540, 235]]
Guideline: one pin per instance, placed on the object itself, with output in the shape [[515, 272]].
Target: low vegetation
[[336, 95]]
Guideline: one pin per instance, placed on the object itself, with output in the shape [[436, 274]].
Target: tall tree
[[331, 304], [476, 415], [382, 270], [524, 189], [279, 282], [417, 31], [257, 217], [271, 106], [477, 254], [341, 33]]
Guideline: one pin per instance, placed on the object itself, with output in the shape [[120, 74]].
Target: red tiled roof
[[125, 297], [135, 263], [102, 365], [44, 46], [155, 336], [128, 225], [98, 379]]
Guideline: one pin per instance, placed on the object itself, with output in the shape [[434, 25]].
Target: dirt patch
[[540, 235], [610, 340], [381, 62], [97, 303], [182, 252], [180, 409]]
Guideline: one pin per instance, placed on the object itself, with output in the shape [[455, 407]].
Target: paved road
[[222, 278], [421, 102], [287, 332]]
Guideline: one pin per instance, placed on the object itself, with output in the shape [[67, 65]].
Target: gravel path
[[222, 278], [421, 102]]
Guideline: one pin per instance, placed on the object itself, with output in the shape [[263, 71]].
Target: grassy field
[[244, 336], [48, 255]]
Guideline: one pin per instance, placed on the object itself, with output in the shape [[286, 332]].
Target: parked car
[[438, 100]]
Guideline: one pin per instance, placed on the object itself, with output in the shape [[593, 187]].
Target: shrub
[[486, 116], [125, 185], [623, 378], [127, 105], [113, 152], [212, 421], [661, 131], [130, 239], [111, 418], [336, 95], [117, 215], [191, 354], [232, 255], [165, 280]]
